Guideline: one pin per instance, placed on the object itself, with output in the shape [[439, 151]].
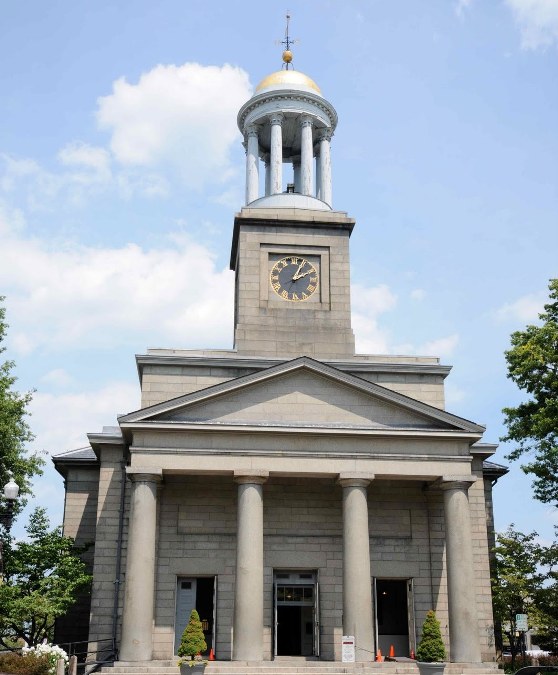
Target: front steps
[[295, 666]]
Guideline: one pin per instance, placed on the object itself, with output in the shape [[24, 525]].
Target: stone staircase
[[295, 666]]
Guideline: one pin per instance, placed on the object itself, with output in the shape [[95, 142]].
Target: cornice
[[286, 95]]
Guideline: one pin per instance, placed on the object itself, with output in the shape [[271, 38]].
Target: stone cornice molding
[[287, 95]]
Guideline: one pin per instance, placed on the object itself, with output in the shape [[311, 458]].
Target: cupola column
[[252, 163], [324, 163], [276, 159], [306, 154], [267, 186], [318, 176], [296, 173]]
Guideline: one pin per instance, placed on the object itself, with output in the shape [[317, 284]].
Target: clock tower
[[290, 249]]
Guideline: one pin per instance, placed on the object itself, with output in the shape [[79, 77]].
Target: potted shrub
[[431, 652], [192, 644]]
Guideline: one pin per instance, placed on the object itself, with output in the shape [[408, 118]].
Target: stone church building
[[292, 491]]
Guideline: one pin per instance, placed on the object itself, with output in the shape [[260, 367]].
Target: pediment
[[301, 393]]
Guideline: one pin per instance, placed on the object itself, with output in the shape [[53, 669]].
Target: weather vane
[[287, 42]]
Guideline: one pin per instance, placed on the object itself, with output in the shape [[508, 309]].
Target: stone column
[[306, 154], [462, 602], [318, 177], [248, 591], [296, 173], [266, 160], [252, 163], [137, 621], [276, 152], [357, 580], [325, 165]]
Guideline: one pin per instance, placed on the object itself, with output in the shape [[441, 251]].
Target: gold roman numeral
[[285, 295]]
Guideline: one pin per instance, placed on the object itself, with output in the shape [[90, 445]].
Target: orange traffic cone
[[379, 656], [412, 654], [211, 654], [391, 652]]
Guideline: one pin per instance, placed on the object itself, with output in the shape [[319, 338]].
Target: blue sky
[[119, 154]]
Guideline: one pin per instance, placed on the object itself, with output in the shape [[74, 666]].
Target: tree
[[42, 578], [520, 583], [533, 425], [193, 640], [431, 646], [14, 430]]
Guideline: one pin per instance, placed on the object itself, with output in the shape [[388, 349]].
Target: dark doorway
[[392, 615], [289, 631]]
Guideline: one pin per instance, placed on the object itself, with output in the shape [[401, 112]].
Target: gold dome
[[288, 77]]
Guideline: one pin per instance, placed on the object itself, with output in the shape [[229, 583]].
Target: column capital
[[276, 118], [144, 475], [355, 479], [454, 482], [325, 134], [255, 477], [251, 130], [306, 121]]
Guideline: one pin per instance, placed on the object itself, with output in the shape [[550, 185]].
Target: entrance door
[[296, 614], [195, 593], [394, 616]]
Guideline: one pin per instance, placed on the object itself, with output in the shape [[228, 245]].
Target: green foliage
[[11, 662], [193, 640], [42, 578], [14, 430], [431, 647], [525, 581], [533, 425]]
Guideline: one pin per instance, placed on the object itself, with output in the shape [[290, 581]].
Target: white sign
[[348, 649], [521, 622]]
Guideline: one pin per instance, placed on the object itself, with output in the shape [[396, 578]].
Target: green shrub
[[431, 647], [10, 662], [193, 640]]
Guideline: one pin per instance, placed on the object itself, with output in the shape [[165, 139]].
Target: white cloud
[[537, 21], [180, 117], [94, 159], [61, 421], [57, 377], [367, 305], [526, 308], [444, 346], [77, 296]]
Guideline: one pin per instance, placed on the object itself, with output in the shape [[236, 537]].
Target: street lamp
[[11, 491]]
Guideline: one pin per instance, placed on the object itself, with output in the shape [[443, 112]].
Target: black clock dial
[[294, 279]]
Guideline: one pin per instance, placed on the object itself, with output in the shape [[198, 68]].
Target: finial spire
[[287, 42]]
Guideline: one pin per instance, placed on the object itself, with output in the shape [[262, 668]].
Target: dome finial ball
[[287, 56]]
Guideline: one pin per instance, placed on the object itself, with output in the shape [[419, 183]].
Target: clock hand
[[296, 274], [299, 276]]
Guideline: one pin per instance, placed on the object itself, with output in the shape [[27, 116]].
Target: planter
[[196, 669], [430, 668]]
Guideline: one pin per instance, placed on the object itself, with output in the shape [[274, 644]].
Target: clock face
[[294, 279]]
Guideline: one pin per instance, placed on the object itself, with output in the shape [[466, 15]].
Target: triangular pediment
[[301, 393]]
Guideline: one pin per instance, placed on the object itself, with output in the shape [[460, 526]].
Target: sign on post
[[521, 623], [348, 649]]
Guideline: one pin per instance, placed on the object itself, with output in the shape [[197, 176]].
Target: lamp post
[[11, 491]]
